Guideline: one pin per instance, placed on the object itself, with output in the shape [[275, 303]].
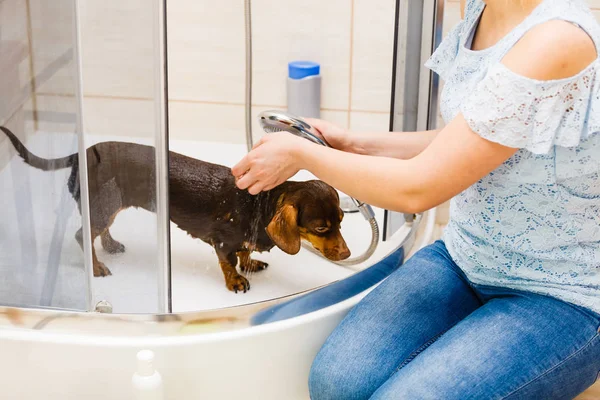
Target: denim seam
[[418, 351], [588, 343]]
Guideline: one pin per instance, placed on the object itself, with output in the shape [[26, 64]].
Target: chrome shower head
[[277, 121]]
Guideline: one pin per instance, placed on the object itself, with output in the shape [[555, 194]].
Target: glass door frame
[[414, 101], [161, 142]]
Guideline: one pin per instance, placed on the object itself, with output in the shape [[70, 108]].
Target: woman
[[507, 306]]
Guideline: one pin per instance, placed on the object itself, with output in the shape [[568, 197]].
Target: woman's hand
[[336, 136], [272, 161]]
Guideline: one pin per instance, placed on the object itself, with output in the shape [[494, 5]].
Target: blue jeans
[[427, 333]]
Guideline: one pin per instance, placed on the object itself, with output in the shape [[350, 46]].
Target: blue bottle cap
[[302, 69]]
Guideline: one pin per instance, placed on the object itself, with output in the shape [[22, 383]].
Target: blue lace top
[[534, 222]]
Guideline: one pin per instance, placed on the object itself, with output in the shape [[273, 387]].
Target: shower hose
[[275, 123]]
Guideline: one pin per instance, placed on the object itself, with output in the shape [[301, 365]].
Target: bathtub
[[216, 344]]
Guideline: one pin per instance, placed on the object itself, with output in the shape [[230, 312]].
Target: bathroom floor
[[197, 281]]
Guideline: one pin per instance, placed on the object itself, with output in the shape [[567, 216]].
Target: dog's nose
[[344, 253]]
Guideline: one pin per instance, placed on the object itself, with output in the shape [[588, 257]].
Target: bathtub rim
[[26, 321]]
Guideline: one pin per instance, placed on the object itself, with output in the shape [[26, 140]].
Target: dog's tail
[[35, 161]]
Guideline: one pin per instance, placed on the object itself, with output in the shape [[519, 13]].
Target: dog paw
[[115, 248], [254, 266], [101, 270], [238, 284]]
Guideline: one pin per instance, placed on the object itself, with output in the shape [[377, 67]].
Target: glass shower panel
[[414, 102], [123, 73], [41, 263]]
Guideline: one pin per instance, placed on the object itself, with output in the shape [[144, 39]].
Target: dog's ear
[[283, 229]]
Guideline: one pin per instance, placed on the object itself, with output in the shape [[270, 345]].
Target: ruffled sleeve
[[442, 59], [519, 112]]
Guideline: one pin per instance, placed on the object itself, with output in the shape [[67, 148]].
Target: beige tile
[[117, 43], [337, 117], [373, 47], [369, 122], [15, 71], [207, 122], [52, 113], [119, 117], [13, 15], [206, 50], [18, 124], [301, 29], [52, 44], [223, 122], [596, 14]]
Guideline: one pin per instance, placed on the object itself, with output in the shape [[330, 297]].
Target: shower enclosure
[[45, 99], [67, 84]]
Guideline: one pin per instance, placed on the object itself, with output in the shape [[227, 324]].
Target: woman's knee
[[335, 377], [321, 380]]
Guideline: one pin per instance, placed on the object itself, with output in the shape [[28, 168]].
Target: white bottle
[[304, 89], [147, 382]]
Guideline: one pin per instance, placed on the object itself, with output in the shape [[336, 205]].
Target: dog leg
[[247, 264], [234, 281], [104, 207], [110, 244], [99, 268]]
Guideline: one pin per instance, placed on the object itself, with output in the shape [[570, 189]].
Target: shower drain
[[104, 306]]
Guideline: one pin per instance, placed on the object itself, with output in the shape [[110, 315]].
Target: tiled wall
[[352, 39], [31, 45], [14, 64]]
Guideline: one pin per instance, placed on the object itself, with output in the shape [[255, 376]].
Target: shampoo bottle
[[304, 89]]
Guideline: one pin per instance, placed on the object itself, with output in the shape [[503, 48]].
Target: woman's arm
[[401, 145], [454, 160]]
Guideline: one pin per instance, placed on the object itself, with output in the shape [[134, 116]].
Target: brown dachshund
[[204, 202]]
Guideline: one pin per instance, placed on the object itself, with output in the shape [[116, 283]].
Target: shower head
[[281, 121], [277, 121]]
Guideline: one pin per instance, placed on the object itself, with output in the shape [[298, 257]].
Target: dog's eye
[[321, 229]]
